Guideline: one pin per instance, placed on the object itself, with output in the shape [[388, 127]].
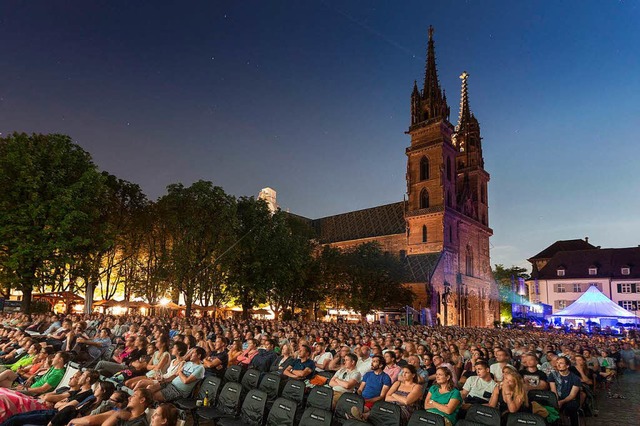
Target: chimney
[[586, 239]]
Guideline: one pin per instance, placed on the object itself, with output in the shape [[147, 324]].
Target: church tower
[[447, 208], [431, 176]]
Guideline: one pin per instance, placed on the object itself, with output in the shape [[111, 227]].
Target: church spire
[[465, 113], [434, 103]]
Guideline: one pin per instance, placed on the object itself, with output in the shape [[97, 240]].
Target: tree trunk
[[26, 298]]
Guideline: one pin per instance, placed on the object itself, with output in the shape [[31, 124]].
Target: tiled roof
[[420, 267], [609, 263], [367, 223], [563, 245]]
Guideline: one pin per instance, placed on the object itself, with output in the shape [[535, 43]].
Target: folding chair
[[251, 413], [385, 414], [423, 417], [270, 384], [250, 380], [227, 406], [293, 390], [320, 397], [313, 416], [233, 373], [481, 415], [346, 402], [283, 413], [72, 368], [525, 419], [210, 387]]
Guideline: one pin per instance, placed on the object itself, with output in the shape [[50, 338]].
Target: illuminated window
[[593, 271], [629, 305], [625, 271], [559, 288], [561, 272]]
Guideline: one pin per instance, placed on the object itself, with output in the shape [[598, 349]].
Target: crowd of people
[[443, 370]]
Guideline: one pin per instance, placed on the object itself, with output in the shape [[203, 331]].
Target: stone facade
[[441, 230]]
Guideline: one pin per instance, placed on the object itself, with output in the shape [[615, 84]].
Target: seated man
[[303, 368], [566, 386], [265, 357], [216, 363], [346, 379], [375, 383], [534, 379], [89, 350], [478, 389], [135, 413], [188, 374]]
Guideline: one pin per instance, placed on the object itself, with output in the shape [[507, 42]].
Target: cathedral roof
[[609, 263], [421, 266], [372, 222]]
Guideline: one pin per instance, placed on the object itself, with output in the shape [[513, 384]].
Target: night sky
[[312, 99]]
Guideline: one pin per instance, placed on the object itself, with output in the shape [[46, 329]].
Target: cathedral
[[441, 230]]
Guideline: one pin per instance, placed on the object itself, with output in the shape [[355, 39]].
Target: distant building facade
[[441, 230], [566, 269]]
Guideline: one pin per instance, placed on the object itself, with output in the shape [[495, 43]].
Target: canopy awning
[[594, 304], [59, 296]]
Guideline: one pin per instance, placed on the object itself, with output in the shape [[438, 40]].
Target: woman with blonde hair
[[510, 396], [443, 398]]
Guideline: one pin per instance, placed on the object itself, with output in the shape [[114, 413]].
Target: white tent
[[594, 304]]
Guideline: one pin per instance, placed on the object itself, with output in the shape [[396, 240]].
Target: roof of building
[[372, 222], [420, 267], [563, 245], [609, 263]]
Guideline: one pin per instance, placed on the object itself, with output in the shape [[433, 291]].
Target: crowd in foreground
[[443, 370]]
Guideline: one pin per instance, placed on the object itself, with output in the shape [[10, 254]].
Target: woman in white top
[[179, 352]]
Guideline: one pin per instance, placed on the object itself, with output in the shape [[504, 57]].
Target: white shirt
[[363, 366], [320, 359]]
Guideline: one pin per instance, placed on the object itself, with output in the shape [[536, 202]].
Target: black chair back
[[233, 373], [542, 397], [320, 397], [293, 390], [385, 414], [283, 413], [229, 399], [313, 416], [250, 380], [483, 415], [252, 411], [346, 402], [525, 419], [270, 384], [425, 418]]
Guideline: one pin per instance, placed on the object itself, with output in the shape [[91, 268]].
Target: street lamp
[[445, 298]]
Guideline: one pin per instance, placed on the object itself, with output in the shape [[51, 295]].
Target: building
[[442, 228], [566, 269]]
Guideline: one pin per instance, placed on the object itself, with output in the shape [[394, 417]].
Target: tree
[[50, 196], [507, 278], [199, 221], [250, 274], [366, 279]]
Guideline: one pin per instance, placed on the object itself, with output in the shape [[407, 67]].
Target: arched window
[[424, 233], [424, 168], [448, 168], [469, 262], [424, 199]]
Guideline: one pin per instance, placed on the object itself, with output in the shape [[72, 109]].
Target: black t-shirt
[[533, 378], [137, 421], [219, 371], [81, 396], [564, 384]]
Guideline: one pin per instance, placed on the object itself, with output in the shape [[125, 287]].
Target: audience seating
[[283, 413], [313, 416], [210, 384], [481, 415], [346, 402], [227, 405], [423, 417], [385, 414], [270, 384], [233, 373], [320, 397], [72, 368], [251, 413], [250, 380], [525, 419]]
